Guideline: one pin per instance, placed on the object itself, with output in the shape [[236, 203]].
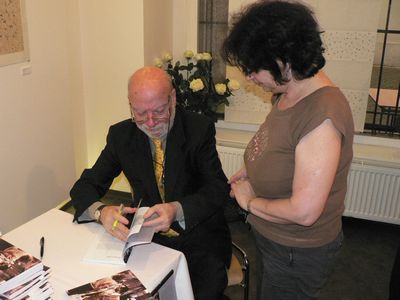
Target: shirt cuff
[[88, 214], [180, 217]]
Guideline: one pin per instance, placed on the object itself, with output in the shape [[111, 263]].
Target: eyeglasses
[[158, 114], [247, 71]]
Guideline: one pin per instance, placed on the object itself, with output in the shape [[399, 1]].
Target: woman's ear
[[286, 72]]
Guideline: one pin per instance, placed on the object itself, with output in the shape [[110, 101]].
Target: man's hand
[[110, 214], [165, 216]]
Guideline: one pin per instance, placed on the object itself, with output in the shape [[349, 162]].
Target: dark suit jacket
[[193, 176]]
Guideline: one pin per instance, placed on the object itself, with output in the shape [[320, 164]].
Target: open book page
[[105, 249], [110, 250], [138, 234], [123, 285]]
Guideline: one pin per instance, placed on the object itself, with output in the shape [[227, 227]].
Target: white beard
[[160, 131]]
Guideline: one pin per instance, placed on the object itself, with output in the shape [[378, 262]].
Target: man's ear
[[173, 97]]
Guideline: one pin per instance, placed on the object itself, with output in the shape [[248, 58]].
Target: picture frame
[[14, 46]]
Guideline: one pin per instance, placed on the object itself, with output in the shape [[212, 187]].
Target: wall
[[76, 86], [37, 140], [112, 49], [184, 24], [157, 29], [55, 120]]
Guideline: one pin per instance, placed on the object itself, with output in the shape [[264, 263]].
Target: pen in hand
[[120, 210], [41, 247]]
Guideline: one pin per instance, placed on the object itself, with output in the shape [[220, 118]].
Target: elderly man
[[169, 157]]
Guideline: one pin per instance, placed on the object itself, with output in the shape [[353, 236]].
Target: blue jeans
[[293, 273]]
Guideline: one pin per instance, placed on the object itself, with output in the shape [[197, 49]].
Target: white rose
[[233, 85], [167, 57], [157, 62], [188, 54], [206, 56], [196, 85], [220, 88], [198, 56]]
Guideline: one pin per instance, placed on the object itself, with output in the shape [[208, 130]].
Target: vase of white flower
[[194, 84]]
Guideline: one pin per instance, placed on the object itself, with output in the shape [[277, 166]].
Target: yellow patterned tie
[[158, 171], [159, 166]]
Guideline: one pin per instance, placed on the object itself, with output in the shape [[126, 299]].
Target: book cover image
[[123, 285], [14, 262]]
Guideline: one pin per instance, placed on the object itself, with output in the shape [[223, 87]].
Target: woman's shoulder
[[326, 98], [325, 103]]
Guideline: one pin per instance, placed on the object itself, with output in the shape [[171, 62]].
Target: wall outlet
[[26, 70]]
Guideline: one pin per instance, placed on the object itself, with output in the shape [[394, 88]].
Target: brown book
[[123, 285]]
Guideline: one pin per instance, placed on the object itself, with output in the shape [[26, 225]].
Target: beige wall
[[157, 29], [54, 121], [112, 48], [169, 26], [184, 27], [37, 159]]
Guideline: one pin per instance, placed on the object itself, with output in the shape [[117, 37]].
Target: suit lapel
[[149, 190], [174, 155]]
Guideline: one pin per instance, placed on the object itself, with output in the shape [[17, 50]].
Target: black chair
[[239, 270]]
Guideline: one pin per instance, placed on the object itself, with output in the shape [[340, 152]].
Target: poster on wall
[[13, 32]]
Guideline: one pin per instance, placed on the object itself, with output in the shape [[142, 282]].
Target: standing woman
[[295, 177]]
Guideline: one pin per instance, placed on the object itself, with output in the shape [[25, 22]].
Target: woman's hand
[[241, 174], [243, 192]]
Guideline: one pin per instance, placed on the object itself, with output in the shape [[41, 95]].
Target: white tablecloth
[[66, 244]]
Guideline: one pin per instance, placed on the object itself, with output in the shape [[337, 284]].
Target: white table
[[66, 244]]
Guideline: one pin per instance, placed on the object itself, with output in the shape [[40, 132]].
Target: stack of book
[[22, 276]]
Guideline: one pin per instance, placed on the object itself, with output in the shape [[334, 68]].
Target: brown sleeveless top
[[270, 162]]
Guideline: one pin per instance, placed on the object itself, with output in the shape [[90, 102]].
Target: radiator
[[373, 191], [231, 159]]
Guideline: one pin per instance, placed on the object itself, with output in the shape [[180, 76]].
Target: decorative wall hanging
[[13, 32]]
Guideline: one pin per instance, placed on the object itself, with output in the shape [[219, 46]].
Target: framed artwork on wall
[[13, 32]]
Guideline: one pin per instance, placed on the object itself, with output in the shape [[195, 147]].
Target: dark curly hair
[[268, 32]]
